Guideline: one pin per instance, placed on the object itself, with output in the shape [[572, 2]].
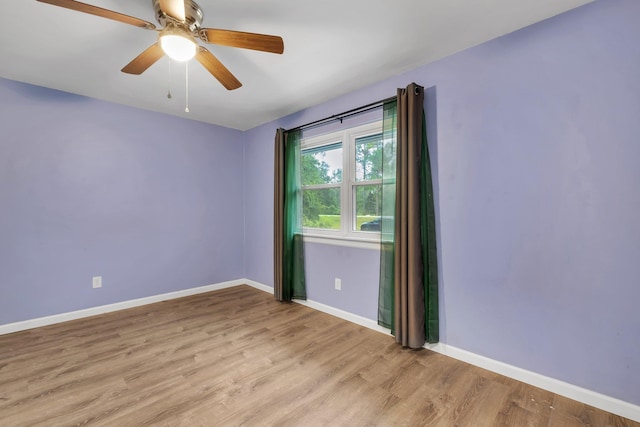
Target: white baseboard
[[93, 311], [353, 318], [257, 285], [583, 395], [601, 401]]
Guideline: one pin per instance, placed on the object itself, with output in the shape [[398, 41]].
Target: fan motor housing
[[192, 12]]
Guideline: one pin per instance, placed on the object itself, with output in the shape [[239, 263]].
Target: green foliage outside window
[[319, 203], [322, 181]]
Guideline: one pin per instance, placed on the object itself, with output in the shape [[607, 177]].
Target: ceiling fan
[[181, 25]]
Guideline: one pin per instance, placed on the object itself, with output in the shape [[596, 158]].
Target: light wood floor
[[237, 357]]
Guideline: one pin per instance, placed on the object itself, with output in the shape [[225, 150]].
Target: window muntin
[[343, 201]]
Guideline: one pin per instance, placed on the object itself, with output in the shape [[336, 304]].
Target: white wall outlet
[[338, 284], [97, 282]]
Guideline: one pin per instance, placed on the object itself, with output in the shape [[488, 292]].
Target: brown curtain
[[409, 309], [278, 216]]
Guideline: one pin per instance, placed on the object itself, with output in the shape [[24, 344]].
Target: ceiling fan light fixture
[[180, 35], [177, 46]]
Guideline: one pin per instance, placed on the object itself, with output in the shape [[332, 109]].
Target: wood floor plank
[[237, 357]]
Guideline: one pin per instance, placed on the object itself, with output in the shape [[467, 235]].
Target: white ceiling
[[332, 47]]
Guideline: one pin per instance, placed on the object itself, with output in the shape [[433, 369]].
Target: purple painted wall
[[150, 202], [536, 151], [358, 270]]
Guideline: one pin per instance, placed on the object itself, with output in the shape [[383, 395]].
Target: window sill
[[350, 242]]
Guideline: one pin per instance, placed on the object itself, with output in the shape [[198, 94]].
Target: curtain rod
[[344, 114]]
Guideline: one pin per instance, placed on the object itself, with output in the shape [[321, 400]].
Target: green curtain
[[289, 272], [387, 234], [408, 295], [428, 239]]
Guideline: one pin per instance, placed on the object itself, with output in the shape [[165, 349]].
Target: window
[[341, 183]]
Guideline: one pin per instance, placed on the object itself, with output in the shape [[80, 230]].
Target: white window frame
[[346, 235]]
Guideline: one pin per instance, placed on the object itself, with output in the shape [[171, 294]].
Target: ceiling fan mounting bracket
[[192, 12], [178, 29]]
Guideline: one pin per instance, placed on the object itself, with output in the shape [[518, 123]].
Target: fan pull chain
[[169, 91], [186, 80]]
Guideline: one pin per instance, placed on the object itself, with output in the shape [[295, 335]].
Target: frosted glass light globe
[[178, 47]]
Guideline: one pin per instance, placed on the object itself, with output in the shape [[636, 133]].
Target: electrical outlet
[[338, 284], [97, 282]]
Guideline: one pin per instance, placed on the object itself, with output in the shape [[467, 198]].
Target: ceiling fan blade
[[262, 42], [145, 60], [98, 11], [215, 67], [173, 8]]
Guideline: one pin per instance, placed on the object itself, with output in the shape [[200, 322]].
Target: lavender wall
[[152, 203], [536, 155], [358, 270]]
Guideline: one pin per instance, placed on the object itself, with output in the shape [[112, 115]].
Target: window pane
[[321, 208], [369, 157], [322, 165], [368, 207]]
